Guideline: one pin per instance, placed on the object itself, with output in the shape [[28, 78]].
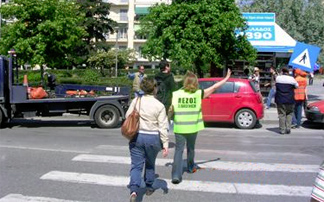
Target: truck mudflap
[[107, 114]]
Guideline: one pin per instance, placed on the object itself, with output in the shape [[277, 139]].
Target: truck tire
[[107, 116], [245, 119]]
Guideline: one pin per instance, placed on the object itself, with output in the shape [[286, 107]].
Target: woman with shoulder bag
[[152, 137], [187, 121]]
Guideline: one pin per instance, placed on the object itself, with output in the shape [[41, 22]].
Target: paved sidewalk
[[315, 93]]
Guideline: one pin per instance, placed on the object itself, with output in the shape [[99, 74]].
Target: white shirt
[[152, 116]]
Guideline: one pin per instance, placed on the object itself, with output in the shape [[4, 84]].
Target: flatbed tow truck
[[105, 111]]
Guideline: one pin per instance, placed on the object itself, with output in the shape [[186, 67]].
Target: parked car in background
[[237, 101], [315, 111]]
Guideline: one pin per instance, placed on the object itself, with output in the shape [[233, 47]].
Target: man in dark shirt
[[166, 84], [284, 99]]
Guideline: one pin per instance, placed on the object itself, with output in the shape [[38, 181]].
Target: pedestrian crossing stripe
[[208, 164], [303, 59], [22, 198], [186, 185]]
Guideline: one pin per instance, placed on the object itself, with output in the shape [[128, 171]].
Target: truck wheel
[[107, 117], [245, 119]]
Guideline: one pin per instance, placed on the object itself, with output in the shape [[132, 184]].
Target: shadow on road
[[32, 123], [219, 125], [312, 125]]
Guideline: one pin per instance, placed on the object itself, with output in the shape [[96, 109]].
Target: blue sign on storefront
[[260, 33], [259, 17]]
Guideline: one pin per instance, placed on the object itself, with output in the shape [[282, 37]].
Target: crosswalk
[[190, 183]]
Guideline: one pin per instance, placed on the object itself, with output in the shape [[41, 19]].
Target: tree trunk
[[199, 70]]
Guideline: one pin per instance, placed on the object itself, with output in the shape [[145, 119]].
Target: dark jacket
[[170, 86], [285, 86]]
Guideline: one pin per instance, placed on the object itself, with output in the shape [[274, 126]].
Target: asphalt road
[[63, 161]]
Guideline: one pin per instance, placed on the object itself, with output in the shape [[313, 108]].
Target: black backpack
[[161, 91]]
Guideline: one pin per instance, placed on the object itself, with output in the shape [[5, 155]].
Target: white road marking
[[44, 149], [22, 198], [207, 164], [186, 185], [220, 152]]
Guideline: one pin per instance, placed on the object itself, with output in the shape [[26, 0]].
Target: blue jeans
[[177, 167], [298, 113], [139, 93], [143, 150], [271, 95]]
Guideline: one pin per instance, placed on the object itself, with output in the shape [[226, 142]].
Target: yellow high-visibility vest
[[187, 112]]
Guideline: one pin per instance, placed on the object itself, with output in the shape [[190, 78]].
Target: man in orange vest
[[300, 96]]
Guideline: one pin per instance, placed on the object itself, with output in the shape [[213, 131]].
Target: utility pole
[[116, 67], [0, 17]]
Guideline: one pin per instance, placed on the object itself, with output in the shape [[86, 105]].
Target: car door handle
[[238, 96]]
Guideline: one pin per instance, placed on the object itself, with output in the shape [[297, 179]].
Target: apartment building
[[126, 13]]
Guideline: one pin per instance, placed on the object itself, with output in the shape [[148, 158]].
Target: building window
[[122, 33], [123, 15], [122, 47], [139, 36], [139, 51]]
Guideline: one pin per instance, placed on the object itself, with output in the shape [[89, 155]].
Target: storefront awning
[[141, 10], [265, 35], [282, 42]]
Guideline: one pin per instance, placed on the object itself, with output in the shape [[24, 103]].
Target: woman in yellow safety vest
[[186, 105]]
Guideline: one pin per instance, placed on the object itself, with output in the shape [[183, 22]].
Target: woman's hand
[[229, 72], [165, 152]]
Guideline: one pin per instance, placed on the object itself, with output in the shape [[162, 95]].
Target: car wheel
[[245, 119], [107, 117]]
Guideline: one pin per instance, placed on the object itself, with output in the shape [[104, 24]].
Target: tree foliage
[[42, 32], [97, 23], [107, 59], [301, 19], [196, 32]]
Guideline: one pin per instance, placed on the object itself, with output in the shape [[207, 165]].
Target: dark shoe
[[288, 131], [149, 191], [175, 181], [133, 197]]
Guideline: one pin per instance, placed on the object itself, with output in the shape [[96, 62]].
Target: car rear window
[[253, 86], [228, 87]]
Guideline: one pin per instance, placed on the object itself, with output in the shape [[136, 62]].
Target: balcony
[[117, 2]]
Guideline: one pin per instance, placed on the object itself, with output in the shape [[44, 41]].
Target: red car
[[237, 101], [315, 111]]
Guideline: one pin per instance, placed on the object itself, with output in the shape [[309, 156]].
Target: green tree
[[303, 20], [107, 59], [97, 23], [42, 32], [196, 33]]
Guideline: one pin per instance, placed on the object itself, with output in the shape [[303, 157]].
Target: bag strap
[[139, 107]]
